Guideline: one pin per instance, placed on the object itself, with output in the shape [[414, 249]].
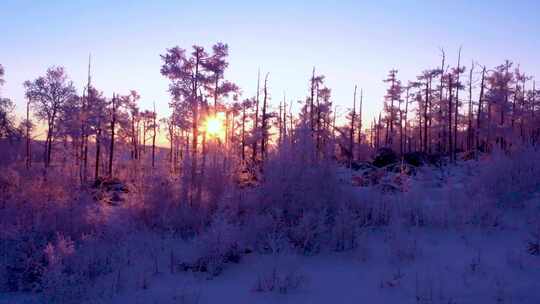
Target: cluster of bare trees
[[7, 128], [452, 113], [445, 110], [90, 123]]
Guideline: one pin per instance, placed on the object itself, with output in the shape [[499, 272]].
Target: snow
[[450, 267], [447, 236]]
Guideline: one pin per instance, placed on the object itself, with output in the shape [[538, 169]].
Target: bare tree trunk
[[371, 131], [204, 155], [264, 119], [470, 135], [170, 128], [311, 100], [154, 137], [426, 102], [441, 93], [113, 125], [333, 124], [457, 106], [243, 152], [450, 106], [378, 132], [195, 125], [489, 118], [256, 122], [145, 121], [284, 120], [420, 124], [98, 151], [479, 113], [533, 109], [82, 118], [318, 123], [406, 112], [503, 111], [360, 117], [280, 133], [523, 111], [291, 119], [400, 128], [392, 117], [351, 129], [134, 136], [430, 115], [50, 138], [28, 153], [85, 156]]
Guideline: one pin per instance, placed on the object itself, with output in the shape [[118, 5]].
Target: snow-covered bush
[[220, 244], [34, 212], [373, 207], [161, 208], [402, 245], [281, 278], [307, 234], [186, 294], [346, 228], [61, 282], [268, 233], [23, 262], [533, 241], [509, 179], [302, 192]]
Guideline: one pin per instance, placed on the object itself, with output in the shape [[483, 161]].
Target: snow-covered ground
[[392, 265], [436, 267], [446, 240]]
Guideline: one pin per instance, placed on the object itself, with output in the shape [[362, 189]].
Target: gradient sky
[[351, 42]]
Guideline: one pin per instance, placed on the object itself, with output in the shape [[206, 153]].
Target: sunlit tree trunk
[[195, 122]]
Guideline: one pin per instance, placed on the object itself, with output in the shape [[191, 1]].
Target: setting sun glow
[[214, 125]]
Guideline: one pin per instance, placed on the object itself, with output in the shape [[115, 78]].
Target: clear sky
[[351, 42]]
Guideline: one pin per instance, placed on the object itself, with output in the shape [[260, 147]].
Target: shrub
[[280, 280], [384, 157], [510, 179]]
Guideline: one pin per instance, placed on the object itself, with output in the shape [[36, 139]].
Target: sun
[[214, 125]]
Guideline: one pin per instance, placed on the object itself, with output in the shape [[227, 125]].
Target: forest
[[263, 199]]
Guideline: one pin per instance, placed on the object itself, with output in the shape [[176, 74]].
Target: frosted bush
[[533, 241], [346, 229], [186, 294], [61, 279], [280, 280], [219, 245], [510, 179], [402, 245], [308, 235], [297, 179], [23, 262]]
